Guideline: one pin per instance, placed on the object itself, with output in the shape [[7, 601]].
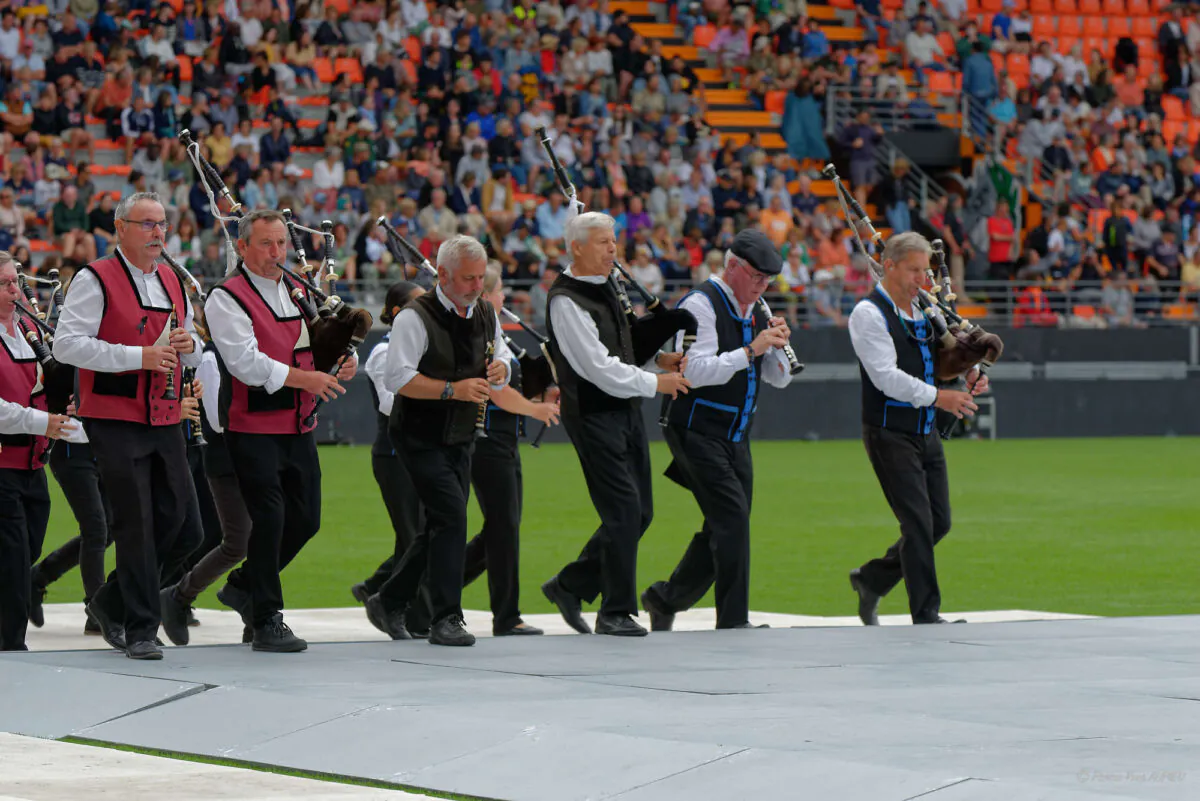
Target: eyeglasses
[[150, 225]]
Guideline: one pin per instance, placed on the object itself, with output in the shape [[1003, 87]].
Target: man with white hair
[[126, 324], [442, 370], [592, 343], [895, 346]]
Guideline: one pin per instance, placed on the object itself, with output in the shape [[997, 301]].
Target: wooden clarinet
[[481, 418], [172, 323]]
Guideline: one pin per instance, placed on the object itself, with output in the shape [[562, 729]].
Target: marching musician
[[591, 343], [25, 430], [437, 361], [395, 484], [121, 327], [268, 389], [708, 431], [896, 348], [496, 477]]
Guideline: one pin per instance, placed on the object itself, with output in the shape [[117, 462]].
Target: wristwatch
[[448, 392]]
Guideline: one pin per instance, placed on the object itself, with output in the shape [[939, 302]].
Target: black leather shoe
[[90, 626], [112, 633], [868, 602], [450, 631], [518, 630], [390, 623], [360, 592], [193, 621], [247, 635], [174, 616], [661, 618], [569, 606], [619, 625], [143, 650], [36, 615], [749, 625], [938, 619], [239, 601], [277, 638]]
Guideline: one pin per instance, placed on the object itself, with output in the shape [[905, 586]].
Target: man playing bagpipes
[[25, 430], [126, 325], [901, 359], [269, 393]]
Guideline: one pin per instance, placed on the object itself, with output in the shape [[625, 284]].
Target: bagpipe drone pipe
[[58, 379]]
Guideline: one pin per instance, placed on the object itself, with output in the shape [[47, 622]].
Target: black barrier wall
[[1132, 398]]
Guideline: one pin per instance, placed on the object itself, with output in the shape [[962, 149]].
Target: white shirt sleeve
[[75, 340], [18, 419], [502, 354], [376, 364], [408, 343], [705, 366], [579, 340], [189, 324], [209, 375], [874, 347], [233, 334]]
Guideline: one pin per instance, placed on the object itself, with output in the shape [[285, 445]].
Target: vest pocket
[[258, 400], [713, 418], [119, 385]]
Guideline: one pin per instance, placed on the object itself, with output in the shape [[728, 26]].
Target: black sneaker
[[277, 638], [143, 650], [90, 627], [174, 616], [360, 592], [239, 601], [112, 632], [390, 623], [450, 631], [36, 615]]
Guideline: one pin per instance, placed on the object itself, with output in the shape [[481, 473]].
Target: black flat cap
[[756, 248]]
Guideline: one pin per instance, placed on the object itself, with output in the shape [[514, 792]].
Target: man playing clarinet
[[268, 390], [896, 347], [25, 427], [708, 431], [592, 345], [438, 364], [120, 327]]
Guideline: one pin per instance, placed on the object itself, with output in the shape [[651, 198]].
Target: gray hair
[[246, 223], [732, 259], [459, 249], [580, 228], [121, 212], [491, 277], [901, 246]]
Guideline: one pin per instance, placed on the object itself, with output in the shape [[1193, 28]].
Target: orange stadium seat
[[1070, 26], [1044, 27], [1090, 7], [1114, 8], [993, 6], [324, 69], [185, 68], [1062, 7], [1119, 26], [351, 67], [1145, 26], [1041, 6], [703, 35], [775, 101], [1065, 43], [1139, 8], [1092, 26]]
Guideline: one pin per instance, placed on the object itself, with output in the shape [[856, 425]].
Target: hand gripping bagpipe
[[58, 379], [964, 344], [335, 329], [650, 331]]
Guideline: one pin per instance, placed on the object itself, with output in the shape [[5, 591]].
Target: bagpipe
[[963, 344], [335, 329], [659, 325], [57, 379]]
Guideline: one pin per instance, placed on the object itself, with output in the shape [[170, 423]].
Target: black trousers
[[912, 472], [145, 471], [202, 517], [441, 476], [404, 510], [720, 474], [615, 458], [74, 468], [24, 514], [279, 476], [496, 477]]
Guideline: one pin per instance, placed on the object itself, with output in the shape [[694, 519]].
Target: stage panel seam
[[177, 697], [945, 787], [661, 779]]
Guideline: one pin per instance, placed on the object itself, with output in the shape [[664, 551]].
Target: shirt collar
[[910, 314], [729, 294], [587, 279], [134, 270], [449, 304]]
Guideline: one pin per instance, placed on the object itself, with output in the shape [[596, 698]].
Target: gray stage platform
[[1070, 710]]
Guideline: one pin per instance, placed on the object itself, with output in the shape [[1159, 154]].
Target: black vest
[[725, 411], [499, 422], [599, 301], [914, 355], [456, 351], [382, 446], [217, 461]]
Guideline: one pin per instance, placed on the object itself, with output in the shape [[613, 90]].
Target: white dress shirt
[[706, 367], [875, 349], [75, 340], [209, 376], [16, 418], [233, 333], [376, 367], [410, 340], [579, 340]]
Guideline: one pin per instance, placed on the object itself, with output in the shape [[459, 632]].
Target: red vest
[[252, 410], [21, 383], [136, 395]]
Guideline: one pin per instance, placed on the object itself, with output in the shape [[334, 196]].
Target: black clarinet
[[191, 431], [664, 416], [795, 366], [481, 417], [169, 394]]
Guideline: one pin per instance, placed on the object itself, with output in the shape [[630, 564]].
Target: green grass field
[[1104, 527]]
